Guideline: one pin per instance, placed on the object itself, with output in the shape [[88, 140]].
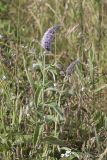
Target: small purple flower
[[59, 66], [70, 68], [48, 37]]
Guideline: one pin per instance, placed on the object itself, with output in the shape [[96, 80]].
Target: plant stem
[[43, 101]]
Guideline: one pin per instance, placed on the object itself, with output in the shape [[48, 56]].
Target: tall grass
[[45, 114]]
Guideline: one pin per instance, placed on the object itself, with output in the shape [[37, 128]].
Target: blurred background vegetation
[[43, 113]]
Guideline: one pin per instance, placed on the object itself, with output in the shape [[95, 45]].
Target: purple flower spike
[[70, 68], [48, 37]]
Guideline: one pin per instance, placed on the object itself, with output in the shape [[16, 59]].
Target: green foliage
[[45, 114], [3, 7]]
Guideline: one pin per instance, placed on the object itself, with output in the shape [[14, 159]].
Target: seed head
[[70, 68], [48, 37]]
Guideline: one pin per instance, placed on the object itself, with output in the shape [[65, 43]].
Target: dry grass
[[43, 113]]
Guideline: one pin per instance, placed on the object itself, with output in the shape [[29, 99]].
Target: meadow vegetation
[[45, 113]]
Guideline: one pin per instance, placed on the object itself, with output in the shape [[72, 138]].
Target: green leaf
[[49, 118], [100, 88], [36, 134], [37, 94], [54, 140]]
